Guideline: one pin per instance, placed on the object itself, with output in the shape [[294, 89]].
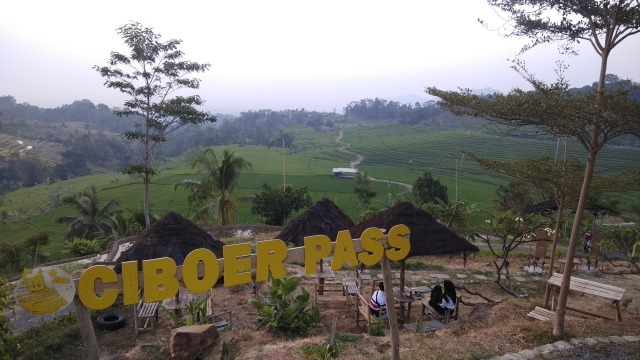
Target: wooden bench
[[145, 315], [326, 292], [584, 286], [542, 314], [427, 326], [362, 309], [427, 309]]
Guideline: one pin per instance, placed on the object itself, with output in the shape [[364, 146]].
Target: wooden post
[[391, 308], [86, 329]]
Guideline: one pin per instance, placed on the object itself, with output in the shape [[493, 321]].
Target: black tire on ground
[[110, 321]]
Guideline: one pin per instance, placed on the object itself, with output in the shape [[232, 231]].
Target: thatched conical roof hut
[[428, 236], [172, 236], [323, 218]]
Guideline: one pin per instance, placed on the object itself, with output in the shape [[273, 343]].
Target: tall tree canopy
[[151, 75], [364, 192], [275, 205], [593, 117], [427, 189]]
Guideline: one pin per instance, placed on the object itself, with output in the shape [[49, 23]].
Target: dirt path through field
[[359, 159], [343, 148]]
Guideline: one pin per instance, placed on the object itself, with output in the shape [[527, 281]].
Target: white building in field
[[344, 172]]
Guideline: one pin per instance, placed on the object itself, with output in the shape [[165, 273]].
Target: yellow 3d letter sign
[[161, 275]]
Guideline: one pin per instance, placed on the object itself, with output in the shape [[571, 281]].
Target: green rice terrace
[[391, 153]]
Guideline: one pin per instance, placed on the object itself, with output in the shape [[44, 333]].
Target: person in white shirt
[[449, 299], [378, 303]]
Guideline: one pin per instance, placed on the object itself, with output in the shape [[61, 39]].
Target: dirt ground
[[483, 330]]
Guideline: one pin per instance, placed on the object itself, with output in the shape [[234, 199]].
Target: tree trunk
[[554, 246], [558, 326], [147, 219], [90, 350], [391, 308]]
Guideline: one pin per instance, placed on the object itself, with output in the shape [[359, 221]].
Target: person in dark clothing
[[436, 299], [450, 297]]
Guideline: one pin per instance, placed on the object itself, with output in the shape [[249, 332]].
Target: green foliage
[[623, 240], [8, 342], [197, 312], [11, 255], [56, 339], [176, 321], [454, 214], [514, 197], [364, 193], [149, 75], [283, 311], [376, 327], [323, 352], [426, 189], [93, 221], [213, 195], [33, 246], [276, 204], [81, 247], [123, 225]]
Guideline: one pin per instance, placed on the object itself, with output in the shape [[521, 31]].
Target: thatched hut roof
[[428, 237], [323, 218], [172, 236]]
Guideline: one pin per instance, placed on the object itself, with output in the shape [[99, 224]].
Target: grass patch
[[57, 339], [419, 265]]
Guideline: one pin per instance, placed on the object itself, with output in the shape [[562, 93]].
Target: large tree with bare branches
[[593, 118]]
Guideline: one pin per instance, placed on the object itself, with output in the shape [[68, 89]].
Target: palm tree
[[214, 193], [94, 220]]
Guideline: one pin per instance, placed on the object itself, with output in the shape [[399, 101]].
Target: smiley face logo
[[44, 290]]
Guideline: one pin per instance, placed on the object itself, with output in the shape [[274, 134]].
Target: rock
[[187, 342]]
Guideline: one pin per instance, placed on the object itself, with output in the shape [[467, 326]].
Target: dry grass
[[483, 330]]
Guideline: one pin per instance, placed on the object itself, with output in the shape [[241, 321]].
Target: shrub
[[82, 247], [376, 328], [323, 352], [57, 339], [7, 340], [285, 312]]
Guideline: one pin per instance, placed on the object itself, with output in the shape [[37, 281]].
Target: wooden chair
[[145, 315], [350, 291], [540, 254], [362, 279]]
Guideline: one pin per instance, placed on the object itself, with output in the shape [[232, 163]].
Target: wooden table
[[610, 292], [321, 276], [403, 299], [575, 265], [177, 303]]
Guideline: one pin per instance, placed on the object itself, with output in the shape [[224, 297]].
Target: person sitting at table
[[435, 300], [450, 297], [378, 303]]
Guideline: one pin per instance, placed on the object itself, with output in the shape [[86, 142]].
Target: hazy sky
[[276, 54]]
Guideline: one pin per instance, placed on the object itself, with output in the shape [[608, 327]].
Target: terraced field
[[392, 152], [49, 152]]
